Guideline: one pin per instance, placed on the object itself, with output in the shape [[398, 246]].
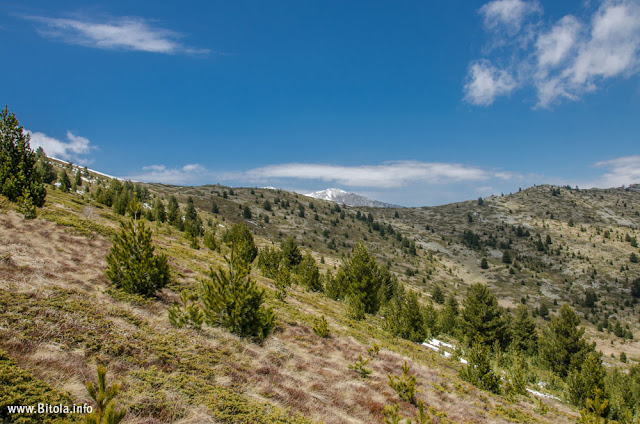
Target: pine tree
[[173, 213], [232, 300], [63, 179], [482, 315], [562, 346], [159, 213], [484, 264], [506, 257], [269, 261], [209, 239], [308, 273], [214, 208], [448, 319], [104, 397], [405, 318], [584, 383], [437, 295], [45, 168], [193, 227], [282, 281], [240, 240], [78, 179], [132, 264], [290, 252], [246, 212], [404, 385], [19, 177], [523, 331], [478, 369], [361, 281]]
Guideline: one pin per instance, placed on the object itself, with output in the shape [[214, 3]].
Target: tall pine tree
[[19, 178]]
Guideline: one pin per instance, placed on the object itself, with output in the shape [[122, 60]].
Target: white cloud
[[485, 82], [568, 58], [508, 14], [125, 33], [621, 171], [73, 149], [386, 175], [191, 174]]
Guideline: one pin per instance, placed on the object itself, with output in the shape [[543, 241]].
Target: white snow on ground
[[540, 394], [435, 344]]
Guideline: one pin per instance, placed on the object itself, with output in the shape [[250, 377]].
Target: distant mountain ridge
[[350, 199]]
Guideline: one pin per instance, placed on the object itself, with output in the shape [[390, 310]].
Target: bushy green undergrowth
[[20, 387]]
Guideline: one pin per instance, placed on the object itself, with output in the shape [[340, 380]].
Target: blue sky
[[414, 103]]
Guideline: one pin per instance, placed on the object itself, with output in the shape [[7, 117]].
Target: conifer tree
[[360, 279], [63, 179], [309, 274], [132, 264], [389, 286], [404, 317], [173, 213], [523, 331], [78, 179], [478, 369], [240, 240], [104, 397], [482, 315], [19, 177], [290, 252], [193, 227], [584, 383], [45, 168], [437, 295], [269, 261], [159, 213], [562, 346], [210, 239], [232, 300], [448, 322], [282, 281]]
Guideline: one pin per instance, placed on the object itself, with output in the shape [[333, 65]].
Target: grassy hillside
[[59, 315]]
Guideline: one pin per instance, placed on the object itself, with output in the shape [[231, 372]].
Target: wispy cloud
[[75, 148], [509, 14], [561, 60], [620, 171], [386, 175], [123, 33], [191, 174]]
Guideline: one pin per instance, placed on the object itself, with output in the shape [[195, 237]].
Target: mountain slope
[[339, 196]]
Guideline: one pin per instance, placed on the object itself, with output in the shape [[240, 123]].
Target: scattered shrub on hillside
[[321, 327], [232, 300], [132, 264], [404, 385], [186, 313], [105, 411], [360, 367]]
